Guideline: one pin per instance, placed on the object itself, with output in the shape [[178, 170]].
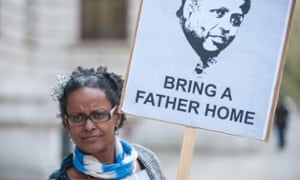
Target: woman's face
[[91, 137]]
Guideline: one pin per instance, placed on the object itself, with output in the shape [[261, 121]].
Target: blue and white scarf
[[123, 168]]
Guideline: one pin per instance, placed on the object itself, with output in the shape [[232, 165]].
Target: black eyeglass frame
[[86, 117]]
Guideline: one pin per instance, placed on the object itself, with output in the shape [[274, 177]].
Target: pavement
[[255, 161]]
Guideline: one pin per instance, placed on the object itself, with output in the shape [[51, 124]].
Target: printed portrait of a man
[[210, 26]]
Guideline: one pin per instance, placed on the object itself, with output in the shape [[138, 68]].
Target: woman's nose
[[89, 125]]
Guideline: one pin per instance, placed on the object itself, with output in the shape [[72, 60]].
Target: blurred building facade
[[42, 38], [39, 39]]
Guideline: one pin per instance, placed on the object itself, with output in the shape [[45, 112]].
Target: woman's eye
[[98, 115], [78, 118]]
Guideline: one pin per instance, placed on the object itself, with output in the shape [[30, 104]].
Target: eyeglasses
[[99, 116]]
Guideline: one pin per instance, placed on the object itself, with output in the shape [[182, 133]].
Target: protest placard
[[209, 64]]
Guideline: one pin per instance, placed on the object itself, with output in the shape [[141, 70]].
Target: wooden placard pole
[[187, 151]]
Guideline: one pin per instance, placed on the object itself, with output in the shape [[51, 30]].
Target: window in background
[[103, 19]]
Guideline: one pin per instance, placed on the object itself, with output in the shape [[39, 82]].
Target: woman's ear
[[65, 122], [117, 116]]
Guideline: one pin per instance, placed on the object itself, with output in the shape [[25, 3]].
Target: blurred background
[[42, 38]]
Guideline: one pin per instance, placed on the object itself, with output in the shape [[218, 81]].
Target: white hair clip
[[57, 92]]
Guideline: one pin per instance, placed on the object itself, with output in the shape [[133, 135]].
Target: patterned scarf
[[123, 168]]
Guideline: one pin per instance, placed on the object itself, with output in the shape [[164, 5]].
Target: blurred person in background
[[281, 121], [88, 103]]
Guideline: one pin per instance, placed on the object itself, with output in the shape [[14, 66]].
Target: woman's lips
[[91, 138]]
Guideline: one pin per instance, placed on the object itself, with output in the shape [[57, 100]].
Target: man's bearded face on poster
[[211, 25]]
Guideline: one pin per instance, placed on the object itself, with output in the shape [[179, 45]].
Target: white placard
[[208, 64]]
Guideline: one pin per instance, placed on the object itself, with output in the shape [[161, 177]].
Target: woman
[[88, 102]]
